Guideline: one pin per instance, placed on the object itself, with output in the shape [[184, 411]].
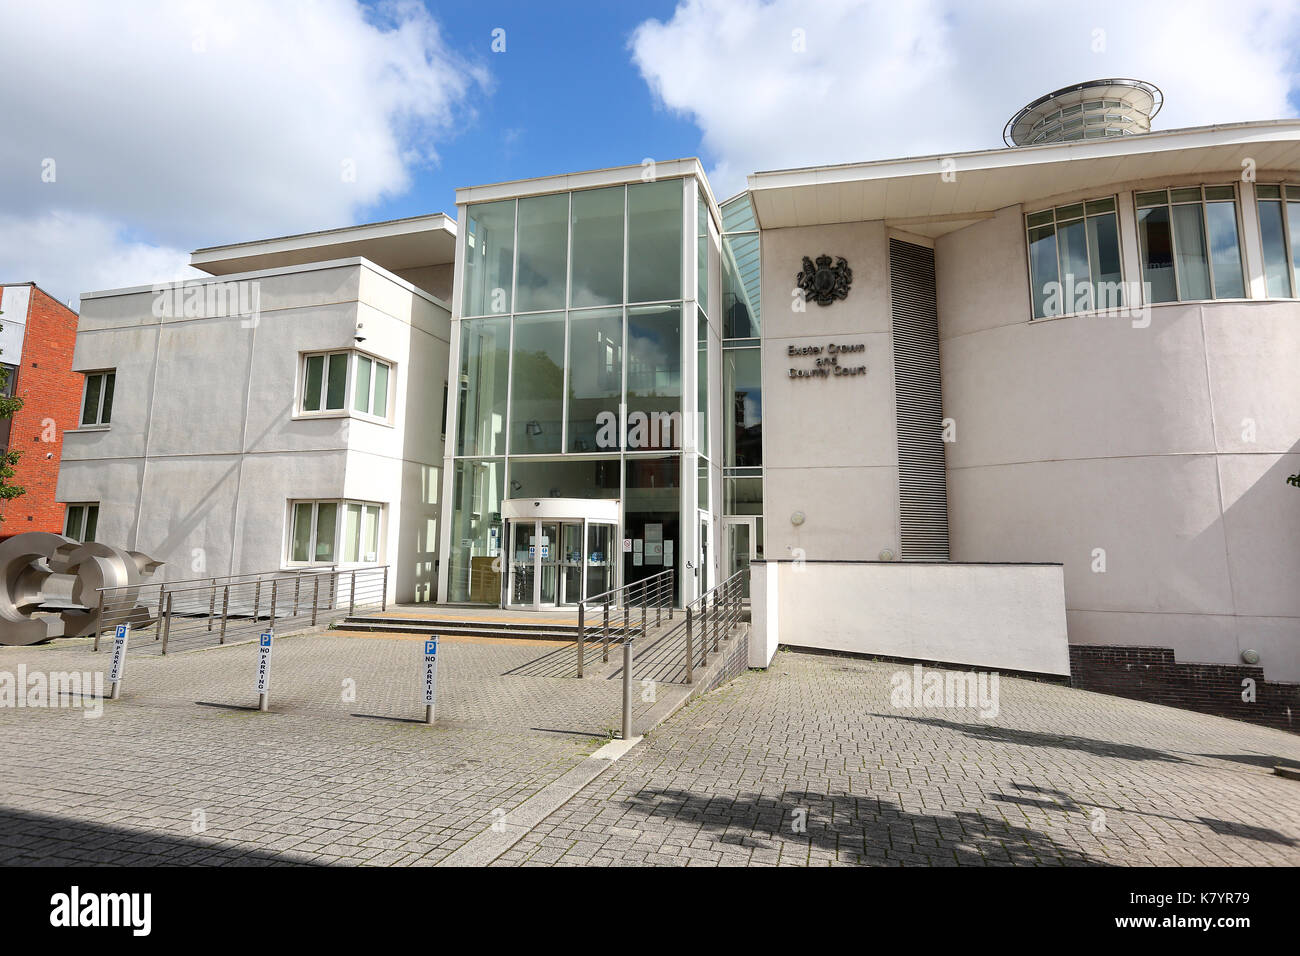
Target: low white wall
[[997, 616]]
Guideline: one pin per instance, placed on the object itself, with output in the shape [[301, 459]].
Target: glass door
[[523, 558], [571, 562], [548, 563], [600, 559], [704, 564], [742, 544]]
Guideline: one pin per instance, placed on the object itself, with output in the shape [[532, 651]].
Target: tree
[[9, 459]]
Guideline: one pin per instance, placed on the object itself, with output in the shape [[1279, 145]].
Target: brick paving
[[804, 764], [311, 782], [814, 741]]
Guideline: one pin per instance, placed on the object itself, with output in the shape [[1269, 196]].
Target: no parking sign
[[430, 677]]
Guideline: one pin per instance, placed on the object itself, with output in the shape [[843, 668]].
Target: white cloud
[[176, 125], [881, 79], [70, 253]]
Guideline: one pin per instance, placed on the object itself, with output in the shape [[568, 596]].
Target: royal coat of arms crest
[[824, 282]]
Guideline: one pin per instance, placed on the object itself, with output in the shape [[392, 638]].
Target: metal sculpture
[[49, 586]]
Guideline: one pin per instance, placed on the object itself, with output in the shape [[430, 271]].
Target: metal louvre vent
[[922, 484]]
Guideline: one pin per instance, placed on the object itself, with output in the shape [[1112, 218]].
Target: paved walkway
[[807, 763]]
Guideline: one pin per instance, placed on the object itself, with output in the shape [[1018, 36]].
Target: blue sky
[[565, 96], [138, 131]]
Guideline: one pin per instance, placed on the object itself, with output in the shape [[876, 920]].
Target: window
[[1279, 229], [370, 387], [81, 521], [327, 532], [1074, 258], [97, 404], [325, 383], [1190, 243]]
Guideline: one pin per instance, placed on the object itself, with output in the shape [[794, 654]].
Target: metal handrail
[[222, 604], [597, 598], [657, 589], [265, 577]]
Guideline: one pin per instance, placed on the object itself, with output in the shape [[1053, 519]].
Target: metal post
[[352, 594], [659, 604], [157, 630], [99, 619], [605, 634], [315, 597], [167, 624], [717, 619], [225, 611], [274, 587], [704, 630], [672, 592], [257, 601], [582, 634], [627, 620], [383, 603], [212, 603], [645, 610], [627, 689], [334, 586], [690, 648], [297, 590]]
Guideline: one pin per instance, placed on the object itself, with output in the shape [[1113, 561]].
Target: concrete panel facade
[[1149, 459], [207, 447]]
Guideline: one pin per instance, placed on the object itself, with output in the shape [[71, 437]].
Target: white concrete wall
[[15, 300], [205, 449], [1083, 434], [998, 617], [830, 447]]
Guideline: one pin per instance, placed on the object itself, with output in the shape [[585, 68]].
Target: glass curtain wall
[[742, 382], [571, 375]]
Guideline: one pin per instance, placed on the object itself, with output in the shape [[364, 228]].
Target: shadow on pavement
[[1032, 738], [31, 839], [876, 830]]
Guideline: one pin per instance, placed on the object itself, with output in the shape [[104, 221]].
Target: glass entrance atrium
[[583, 349]]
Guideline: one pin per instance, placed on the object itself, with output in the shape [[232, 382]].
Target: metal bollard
[[627, 689]]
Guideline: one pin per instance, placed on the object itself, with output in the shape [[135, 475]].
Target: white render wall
[[1082, 436], [999, 617], [830, 446], [205, 449]]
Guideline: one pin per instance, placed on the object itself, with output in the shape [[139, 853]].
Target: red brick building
[[37, 334]]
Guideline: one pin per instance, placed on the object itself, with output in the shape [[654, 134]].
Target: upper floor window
[[329, 377], [1190, 244], [80, 522], [1279, 232], [97, 403], [327, 532], [1074, 258]]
